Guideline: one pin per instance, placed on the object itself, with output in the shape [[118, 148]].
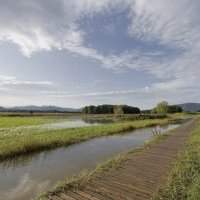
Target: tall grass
[[184, 180]]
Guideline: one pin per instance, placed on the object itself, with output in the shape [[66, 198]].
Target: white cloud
[[37, 25]]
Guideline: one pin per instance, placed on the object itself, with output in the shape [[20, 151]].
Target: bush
[[163, 107]]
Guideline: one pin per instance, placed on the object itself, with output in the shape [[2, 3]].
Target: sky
[[73, 53]]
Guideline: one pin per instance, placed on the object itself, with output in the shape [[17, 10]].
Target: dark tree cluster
[[174, 109], [111, 109], [101, 109], [130, 110]]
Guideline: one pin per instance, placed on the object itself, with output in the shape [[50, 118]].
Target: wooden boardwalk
[[139, 178]]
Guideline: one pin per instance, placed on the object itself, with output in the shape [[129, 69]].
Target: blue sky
[[77, 52]]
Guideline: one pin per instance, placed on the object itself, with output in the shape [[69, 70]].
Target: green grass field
[[12, 122], [23, 141], [184, 180]]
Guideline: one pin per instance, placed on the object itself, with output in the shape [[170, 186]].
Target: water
[[26, 177], [75, 123]]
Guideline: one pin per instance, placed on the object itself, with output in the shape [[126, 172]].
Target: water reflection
[[24, 177], [70, 124], [24, 160]]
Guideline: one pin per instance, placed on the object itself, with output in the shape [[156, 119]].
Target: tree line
[[111, 109], [161, 108]]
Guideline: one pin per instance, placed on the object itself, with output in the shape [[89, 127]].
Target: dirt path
[[140, 177]]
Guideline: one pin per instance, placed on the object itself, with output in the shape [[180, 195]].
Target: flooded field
[[27, 176], [72, 123]]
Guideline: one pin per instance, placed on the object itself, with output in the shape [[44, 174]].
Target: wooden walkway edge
[[140, 177]]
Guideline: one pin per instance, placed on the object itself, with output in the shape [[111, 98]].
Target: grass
[[22, 142], [184, 180], [17, 121]]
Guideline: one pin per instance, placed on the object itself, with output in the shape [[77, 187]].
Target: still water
[[26, 177]]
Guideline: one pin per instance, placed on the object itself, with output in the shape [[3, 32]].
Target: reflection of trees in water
[[92, 119], [16, 161]]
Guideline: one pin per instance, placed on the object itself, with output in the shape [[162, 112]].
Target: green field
[[184, 180], [17, 121], [14, 142]]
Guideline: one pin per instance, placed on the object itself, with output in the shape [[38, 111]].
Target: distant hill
[[190, 107], [38, 109]]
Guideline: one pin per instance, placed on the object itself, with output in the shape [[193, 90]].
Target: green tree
[[162, 107]]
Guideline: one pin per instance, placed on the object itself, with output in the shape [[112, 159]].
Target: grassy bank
[[29, 141], [184, 180]]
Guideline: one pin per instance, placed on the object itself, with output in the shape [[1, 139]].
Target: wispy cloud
[[11, 80], [11, 85], [63, 94]]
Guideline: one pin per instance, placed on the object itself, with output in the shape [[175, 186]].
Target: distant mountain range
[[190, 107], [38, 109]]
